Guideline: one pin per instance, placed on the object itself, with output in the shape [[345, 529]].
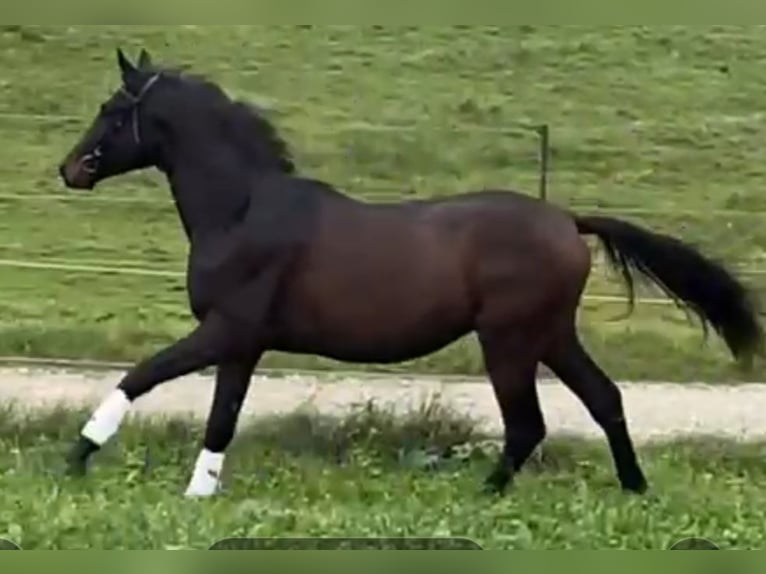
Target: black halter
[[136, 101], [91, 161]]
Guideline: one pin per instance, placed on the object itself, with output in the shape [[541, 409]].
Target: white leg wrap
[[205, 480], [107, 418]]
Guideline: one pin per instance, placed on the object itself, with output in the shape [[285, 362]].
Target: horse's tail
[[692, 280]]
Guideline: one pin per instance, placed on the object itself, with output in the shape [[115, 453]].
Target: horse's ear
[[144, 60], [126, 67]]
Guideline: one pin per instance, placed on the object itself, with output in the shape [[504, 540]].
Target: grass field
[[661, 125], [367, 476]]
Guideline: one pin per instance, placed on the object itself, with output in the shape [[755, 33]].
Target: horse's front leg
[[212, 342], [251, 303], [231, 385]]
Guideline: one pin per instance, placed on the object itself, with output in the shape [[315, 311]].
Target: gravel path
[[655, 410]]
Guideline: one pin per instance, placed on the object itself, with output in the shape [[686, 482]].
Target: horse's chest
[[229, 269], [214, 270], [202, 295]]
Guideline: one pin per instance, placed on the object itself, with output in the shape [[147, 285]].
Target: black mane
[[240, 122]]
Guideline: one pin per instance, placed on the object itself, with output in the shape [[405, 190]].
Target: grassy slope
[[306, 476], [664, 120]]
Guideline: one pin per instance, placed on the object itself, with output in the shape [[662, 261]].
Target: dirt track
[[654, 410]]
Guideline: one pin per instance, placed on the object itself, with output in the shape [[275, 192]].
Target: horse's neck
[[211, 191]]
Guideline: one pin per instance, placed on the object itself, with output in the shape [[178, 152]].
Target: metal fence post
[[544, 133]]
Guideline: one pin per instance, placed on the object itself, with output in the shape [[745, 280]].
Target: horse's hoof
[[77, 459], [192, 494], [76, 469], [635, 485], [639, 490], [493, 490], [76, 465], [497, 483]]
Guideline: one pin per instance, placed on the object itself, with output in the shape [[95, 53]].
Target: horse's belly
[[392, 321], [372, 345]]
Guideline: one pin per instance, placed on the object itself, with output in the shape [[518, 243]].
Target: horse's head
[[155, 113], [124, 136]]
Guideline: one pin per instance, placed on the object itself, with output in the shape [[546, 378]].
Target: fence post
[[544, 133]]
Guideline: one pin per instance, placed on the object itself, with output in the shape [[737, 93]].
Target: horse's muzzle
[[78, 173]]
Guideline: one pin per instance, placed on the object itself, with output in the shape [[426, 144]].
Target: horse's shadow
[[432, 438], [428, 439]]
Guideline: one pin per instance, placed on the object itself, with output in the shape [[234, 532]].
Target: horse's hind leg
[[578, 371], [512, 369]]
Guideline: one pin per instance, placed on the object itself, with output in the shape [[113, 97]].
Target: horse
[[279, 261]]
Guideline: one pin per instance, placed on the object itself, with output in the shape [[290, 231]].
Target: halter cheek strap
[[136, 100]]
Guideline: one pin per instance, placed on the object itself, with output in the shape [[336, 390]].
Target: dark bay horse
[[282, 262]]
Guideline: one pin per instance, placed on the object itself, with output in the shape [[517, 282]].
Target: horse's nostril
[[89, 163]]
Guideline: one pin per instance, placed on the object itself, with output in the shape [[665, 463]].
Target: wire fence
[[340, 121], [144, 268], [344, 125], [147, 272], [377, 194], [168, 204]]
